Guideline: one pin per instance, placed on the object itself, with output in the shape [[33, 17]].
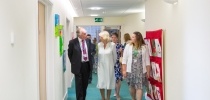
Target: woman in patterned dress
[[95, 56], [136, 65], [117, 67]]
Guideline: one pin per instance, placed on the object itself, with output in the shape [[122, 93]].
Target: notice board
[[154, 41]]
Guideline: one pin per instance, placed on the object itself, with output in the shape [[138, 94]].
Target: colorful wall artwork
[[153, 40], [59, 33], [64, 60]]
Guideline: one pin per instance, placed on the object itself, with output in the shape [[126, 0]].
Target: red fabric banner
[[154, 41]]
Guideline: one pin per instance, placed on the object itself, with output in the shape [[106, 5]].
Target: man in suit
[[93, 52], [79, 53]]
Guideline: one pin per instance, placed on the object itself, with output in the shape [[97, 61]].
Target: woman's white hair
[[105, 35]]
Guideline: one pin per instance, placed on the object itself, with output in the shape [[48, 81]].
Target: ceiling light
[[95, 8], [171, 1], [135, 11], [93, 15], [143, 20]]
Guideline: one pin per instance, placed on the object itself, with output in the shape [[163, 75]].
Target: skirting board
[[71, 81], [66, 94]]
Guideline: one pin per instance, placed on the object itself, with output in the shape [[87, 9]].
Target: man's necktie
[[84, 50]]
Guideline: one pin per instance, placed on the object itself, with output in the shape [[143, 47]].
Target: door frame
[[49, 50]]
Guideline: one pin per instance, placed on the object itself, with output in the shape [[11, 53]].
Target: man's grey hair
[[79, 29]]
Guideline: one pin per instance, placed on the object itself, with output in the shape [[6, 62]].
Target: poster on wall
[[59, 33], [64, 60], [147, 41], [61, 45], [156, 49], [150, 91], [155, 71], [154, 40]]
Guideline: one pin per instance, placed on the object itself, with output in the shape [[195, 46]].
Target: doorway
[[114, 29], [93, 30], [42, 51]]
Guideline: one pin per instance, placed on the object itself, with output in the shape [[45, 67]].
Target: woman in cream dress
[[106, 60]]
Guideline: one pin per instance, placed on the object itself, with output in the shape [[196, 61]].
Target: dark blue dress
[[117, 67]]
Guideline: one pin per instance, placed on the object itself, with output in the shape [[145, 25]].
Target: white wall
[[62, 80], [158, 15], [18, 63], [129, 23], [132, 23], [185, 60], [91, 21], [196, 50]]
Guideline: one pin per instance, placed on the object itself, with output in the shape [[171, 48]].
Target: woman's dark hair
[[115, 34], [88, 35], [139, 39]]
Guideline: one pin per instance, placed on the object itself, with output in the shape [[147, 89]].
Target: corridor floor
[[93, 93]]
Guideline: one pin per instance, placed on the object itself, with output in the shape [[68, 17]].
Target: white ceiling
[[109, 7]]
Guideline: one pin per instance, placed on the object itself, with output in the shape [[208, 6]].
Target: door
[[42, 51]]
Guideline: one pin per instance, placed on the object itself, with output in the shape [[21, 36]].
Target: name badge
[[85, 55], [135, 60]]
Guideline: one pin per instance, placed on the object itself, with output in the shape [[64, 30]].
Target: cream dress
[[106, 60]]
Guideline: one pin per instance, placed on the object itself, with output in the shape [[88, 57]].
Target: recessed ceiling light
[[135, 11], [94, 15], [95, 8]]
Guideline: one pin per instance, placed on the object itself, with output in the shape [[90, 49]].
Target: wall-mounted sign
[[98, 19]]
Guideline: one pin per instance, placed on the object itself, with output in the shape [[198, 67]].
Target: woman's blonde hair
[[105, 35], [127, 37]]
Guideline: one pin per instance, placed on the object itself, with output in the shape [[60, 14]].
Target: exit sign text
[[98, 19]]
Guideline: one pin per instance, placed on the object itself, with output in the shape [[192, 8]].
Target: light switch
[[12, 37]]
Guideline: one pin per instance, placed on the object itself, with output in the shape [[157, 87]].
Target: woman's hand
[[124, 74], [148, 71], [148, 75], [120, 50]]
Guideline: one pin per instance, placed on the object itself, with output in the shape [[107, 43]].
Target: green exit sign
[[98, 19]]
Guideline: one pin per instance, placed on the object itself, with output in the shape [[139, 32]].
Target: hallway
[[94, 94], [34, 63]]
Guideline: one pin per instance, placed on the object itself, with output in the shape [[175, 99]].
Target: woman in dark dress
[[117, 67]]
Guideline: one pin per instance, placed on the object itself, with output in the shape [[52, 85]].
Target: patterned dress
[[136, 78], [117, 67], [96, 60]]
